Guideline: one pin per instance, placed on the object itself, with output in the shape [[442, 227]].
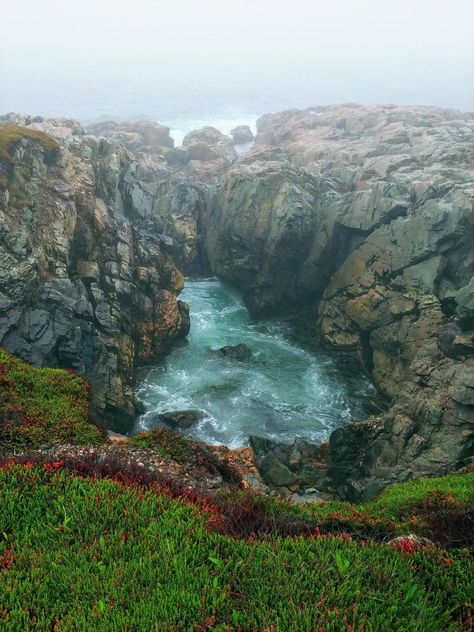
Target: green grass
[[82, 554], [166, 443], [42, 406], [12, 134]]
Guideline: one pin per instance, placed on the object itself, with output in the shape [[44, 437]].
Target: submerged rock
[[239, 352], [179, 419]]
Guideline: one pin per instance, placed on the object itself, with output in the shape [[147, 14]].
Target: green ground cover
[[84, 554], [42, 406]]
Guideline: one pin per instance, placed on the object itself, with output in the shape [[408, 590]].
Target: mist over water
[[284, 391], [226, 62], [224, 102]]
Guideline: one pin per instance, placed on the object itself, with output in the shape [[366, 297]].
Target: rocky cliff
[[365, 216], [362, 216], [86, 282]]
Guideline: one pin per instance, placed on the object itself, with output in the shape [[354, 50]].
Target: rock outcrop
[[365, 217], [143, 136], [85, 283], [242, 135], [362, 216]]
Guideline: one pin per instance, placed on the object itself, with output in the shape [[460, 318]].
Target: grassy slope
[[79, 554], [42, 406]]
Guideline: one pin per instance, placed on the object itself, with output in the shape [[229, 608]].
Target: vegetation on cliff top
[[11, 134], [42, 406], [83, 554]]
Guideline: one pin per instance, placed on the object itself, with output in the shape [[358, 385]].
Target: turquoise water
[[285, 391]]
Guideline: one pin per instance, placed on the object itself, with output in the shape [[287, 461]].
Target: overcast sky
[[260, 41]]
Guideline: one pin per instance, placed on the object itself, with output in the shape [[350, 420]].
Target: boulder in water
[[179, 419], [239, 352]]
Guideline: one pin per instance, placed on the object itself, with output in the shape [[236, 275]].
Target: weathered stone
[[241, 135], [136, 136], [67, 268], [239, 352], [179, 419], [465, 304], [275, 472]]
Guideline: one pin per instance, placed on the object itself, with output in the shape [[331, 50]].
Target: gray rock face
[[465, 303], [146, 136], [84, 284], [275, 472], [259, 231], [306, 462], [207, 153], [365, 214]]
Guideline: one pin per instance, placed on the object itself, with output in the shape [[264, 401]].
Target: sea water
[[284, 391]]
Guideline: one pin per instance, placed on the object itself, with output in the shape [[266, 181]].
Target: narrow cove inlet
[[284, 391]]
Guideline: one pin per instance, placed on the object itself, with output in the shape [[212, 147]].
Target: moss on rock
[[12, 134]]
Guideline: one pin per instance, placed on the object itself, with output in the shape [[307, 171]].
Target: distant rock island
[[361, 217]]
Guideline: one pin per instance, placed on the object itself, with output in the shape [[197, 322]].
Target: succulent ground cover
[[81, 553]]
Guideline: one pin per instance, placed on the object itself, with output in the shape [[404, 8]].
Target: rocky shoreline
[[362, 217]]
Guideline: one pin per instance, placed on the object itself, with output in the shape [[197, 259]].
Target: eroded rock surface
[[362, 216], [365, 214], [85, 284]]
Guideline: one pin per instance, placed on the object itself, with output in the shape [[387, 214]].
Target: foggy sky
[[256, 41]]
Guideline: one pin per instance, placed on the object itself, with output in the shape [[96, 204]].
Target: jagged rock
[[447, 336], [260, 229], [147, 136], [367, 218], [275, 472], [361, 215], [465, 304], [178, 419], [240, 352], [85, 285], [241, 135]]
